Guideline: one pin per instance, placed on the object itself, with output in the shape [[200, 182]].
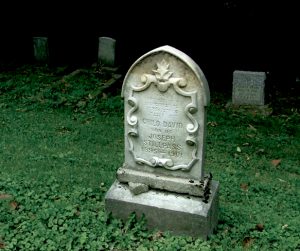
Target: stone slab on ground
[[165, 211]]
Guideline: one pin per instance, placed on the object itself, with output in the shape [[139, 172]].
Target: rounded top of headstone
[[107, 38], [41, 38], [189, 62]]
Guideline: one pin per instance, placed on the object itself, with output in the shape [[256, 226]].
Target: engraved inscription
[[163, 124], [159, 143], [158, 108], [248, 93], [248, 87], [161, 137], [163, 127]]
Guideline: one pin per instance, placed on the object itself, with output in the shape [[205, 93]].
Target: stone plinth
[[165, 211]]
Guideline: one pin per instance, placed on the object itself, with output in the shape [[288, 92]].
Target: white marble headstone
[[162, 177], [165, 94]]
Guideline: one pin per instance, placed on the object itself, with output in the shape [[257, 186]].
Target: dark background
[[221, 36]]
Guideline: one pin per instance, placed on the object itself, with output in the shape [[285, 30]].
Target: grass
[[72, 147], [62, 142]]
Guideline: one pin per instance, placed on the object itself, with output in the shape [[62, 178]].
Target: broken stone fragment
[[137, 188]]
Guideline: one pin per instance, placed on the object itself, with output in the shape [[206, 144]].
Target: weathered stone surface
[[165, 95], [248, 88], [168, 183], [41, 49], [137, 188], [106, 51], [179, 214], [165, 98]]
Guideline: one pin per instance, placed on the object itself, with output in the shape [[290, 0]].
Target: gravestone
[[248, 88], [40, 49], [162, 177], [106, 51]]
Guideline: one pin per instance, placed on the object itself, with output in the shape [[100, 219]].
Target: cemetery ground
[[62, 139]]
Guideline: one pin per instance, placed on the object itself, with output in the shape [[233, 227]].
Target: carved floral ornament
[[162, 79]]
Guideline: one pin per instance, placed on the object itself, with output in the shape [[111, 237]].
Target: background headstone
[[166, 95], [248, 88], [41, 49], [106, 51]]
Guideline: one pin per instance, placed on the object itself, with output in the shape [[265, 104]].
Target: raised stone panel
[[248, 88]]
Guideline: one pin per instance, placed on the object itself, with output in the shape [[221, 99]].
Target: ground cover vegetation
[[61, 142]]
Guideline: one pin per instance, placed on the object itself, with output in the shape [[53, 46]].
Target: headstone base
[[264, 110], [165, 211], [109, 69], [162, 182]]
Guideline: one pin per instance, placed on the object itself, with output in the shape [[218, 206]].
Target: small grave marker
[[106, 51], [40, 49], [248, 88]]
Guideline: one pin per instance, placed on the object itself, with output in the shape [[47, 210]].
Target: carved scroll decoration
[[162, 79]]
